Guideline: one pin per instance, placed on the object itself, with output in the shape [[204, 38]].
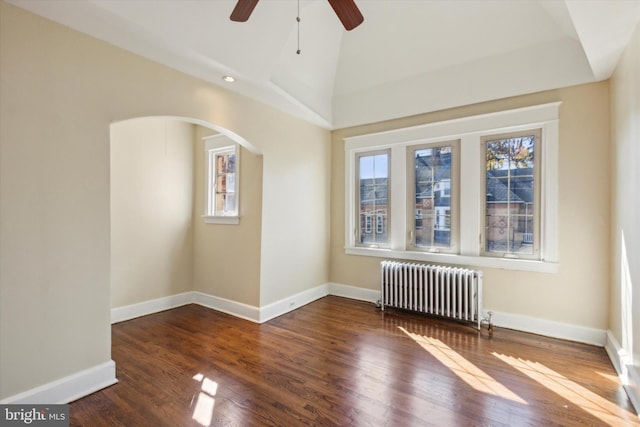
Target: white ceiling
[[408, 57]]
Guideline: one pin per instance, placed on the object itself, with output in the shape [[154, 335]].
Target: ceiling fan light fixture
[[347, 12], [228, 79]]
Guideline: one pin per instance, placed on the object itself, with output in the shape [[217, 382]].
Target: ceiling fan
[[347, 12]]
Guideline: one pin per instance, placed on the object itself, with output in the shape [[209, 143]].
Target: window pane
[[231, 182], [220, 164], [373, 181], [225, 187], [221, 184], [510, 194], [231, 163], [432, 227], [230, 202], [220, 202]]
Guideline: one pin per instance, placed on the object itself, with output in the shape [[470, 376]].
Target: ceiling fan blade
[[348, 13], [243, 10]]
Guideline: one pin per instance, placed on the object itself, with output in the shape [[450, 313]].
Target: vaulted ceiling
[[408, 57]]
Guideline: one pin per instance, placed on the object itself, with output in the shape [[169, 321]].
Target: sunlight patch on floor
[[465, 370], [203, 411], [580, 396], [612, 378]]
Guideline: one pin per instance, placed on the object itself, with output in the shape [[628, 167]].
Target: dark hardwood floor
[[339, 362]]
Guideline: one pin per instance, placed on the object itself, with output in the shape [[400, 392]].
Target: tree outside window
[[511, 195]]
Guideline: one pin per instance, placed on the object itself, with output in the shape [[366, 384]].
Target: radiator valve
[[487, 320]]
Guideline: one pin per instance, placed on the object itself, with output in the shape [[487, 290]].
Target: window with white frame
[[431, 171], [222, 168], [373, 198], [511, 188], [478, 191]]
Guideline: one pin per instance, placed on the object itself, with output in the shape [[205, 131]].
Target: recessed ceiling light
[[228, 79]]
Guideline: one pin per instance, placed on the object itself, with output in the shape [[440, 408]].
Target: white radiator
[[450, 292]]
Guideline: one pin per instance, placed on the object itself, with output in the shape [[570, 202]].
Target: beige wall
[[625, 204], [152, 190], [226, 259], [295, 230], [583, 206], [59, 93]]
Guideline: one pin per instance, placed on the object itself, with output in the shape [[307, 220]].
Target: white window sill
[[465, 260], [221, 219]]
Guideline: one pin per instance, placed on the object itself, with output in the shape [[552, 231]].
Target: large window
[[511, 206], [432, 173], [222, 167], [475, 191], [373, 198]]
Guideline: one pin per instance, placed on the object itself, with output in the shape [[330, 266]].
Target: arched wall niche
[[161, 249]]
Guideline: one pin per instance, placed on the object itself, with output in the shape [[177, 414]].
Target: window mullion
[[549, 190], [434, 214], [509, 231], [398, 213], [470, 196]]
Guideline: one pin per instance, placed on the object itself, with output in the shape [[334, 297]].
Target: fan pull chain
[[298, 21]]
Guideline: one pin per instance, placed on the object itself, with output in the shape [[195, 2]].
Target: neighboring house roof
[[375, 190], [521, 190]]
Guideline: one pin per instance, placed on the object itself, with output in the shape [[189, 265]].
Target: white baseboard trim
[[293, 302], [618, 356], [549, 328], [127, 312], [255, 314], [632, 387], [234, 308], [534, 325], [354, 292], [623, 364], [285, 305], [69, 388]]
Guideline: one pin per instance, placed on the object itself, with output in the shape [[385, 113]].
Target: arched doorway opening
[[161, 250]]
